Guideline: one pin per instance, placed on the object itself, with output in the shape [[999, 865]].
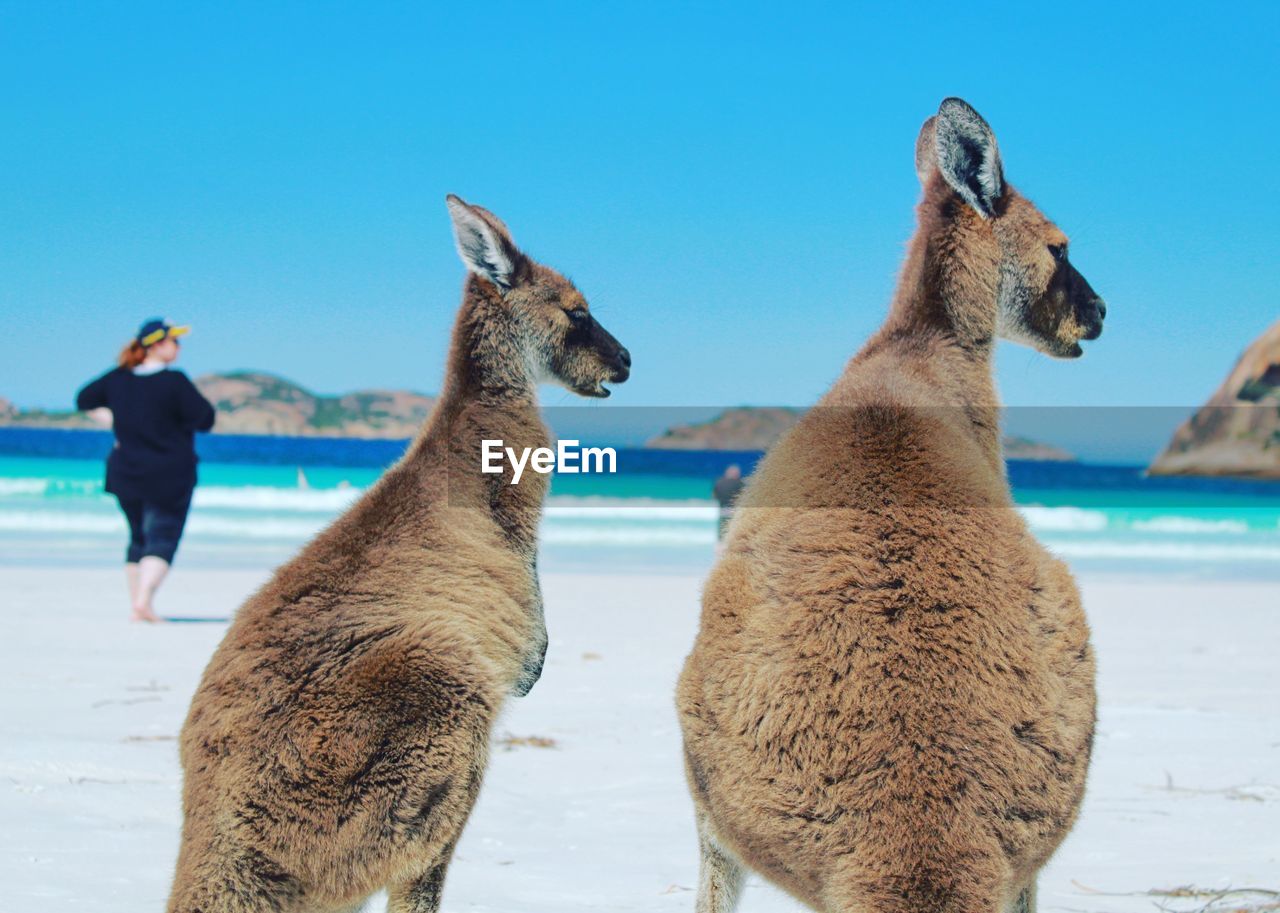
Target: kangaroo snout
[[1094, 313], [622, 370], [612, 356]]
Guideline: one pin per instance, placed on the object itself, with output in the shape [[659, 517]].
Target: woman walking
[[152, 467]]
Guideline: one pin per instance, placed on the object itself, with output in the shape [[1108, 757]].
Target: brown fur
[[337, 741], [890, 704]]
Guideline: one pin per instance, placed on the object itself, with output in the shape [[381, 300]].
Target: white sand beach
[[1184, 792]]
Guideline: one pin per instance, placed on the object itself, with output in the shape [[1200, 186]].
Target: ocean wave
[[663, 536], [244, 497], [256, 528], [37, 521], [1164, 551], [1195, 525], [639, 509], [299, 530], [24, 486], [241, 503], [31, 521], [18, 486], [1063, 519], [265, 497], [53, 509], [334, 500]]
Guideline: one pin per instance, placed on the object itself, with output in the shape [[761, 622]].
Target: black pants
[[154, 529]]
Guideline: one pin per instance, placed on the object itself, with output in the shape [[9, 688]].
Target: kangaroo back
[[338, 739], [889, 705]]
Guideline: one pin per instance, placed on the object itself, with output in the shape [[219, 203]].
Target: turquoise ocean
[[259, 499]]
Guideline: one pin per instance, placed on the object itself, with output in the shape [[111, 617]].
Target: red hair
[[132, 355]]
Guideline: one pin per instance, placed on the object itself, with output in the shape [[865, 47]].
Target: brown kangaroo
[[890, 703], [337, 741]]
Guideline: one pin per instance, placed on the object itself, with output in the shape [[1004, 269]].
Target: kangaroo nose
[[624, 357], [1093, 322]]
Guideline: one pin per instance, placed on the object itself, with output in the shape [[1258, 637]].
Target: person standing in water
[[152, 466], [726, 491]]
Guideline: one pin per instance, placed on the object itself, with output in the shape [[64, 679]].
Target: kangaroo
[[337, 741], [890, 703]]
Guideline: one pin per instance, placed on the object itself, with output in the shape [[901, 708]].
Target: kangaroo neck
[[950, 281], [489, 394], [944, 314], [487, 356]]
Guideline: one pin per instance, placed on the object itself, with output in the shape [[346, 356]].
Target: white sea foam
[[636, 509], [254, 528], [19, 486], [1175, 524], [623, 536], [220, 526], [24, 486], [246, 497], [31, 521], [265, 497], [1164, 551], [62, 511], [1063, 519], [49, 521]]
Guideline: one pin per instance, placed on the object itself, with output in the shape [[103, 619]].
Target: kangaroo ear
[[967, 155], [484, 244], [926, 151]]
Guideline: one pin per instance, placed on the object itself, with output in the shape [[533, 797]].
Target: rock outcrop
[[1237, 432]]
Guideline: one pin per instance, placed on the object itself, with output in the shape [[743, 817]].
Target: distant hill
[[1024, 448], [11, 415], [741, 428], [756, 428], [253, 402], [1237, 432]]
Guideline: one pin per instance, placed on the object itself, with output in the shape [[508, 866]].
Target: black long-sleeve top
[[155, 418]]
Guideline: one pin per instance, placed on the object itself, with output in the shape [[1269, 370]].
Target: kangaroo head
[[558, 337], [1042, 300]]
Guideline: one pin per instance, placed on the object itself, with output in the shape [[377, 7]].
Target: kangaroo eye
[[577, 317], [1059, 251]]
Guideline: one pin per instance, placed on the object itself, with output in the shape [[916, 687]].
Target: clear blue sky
[[730, 185]]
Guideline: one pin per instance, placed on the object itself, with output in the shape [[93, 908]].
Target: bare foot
[[145, 613]]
